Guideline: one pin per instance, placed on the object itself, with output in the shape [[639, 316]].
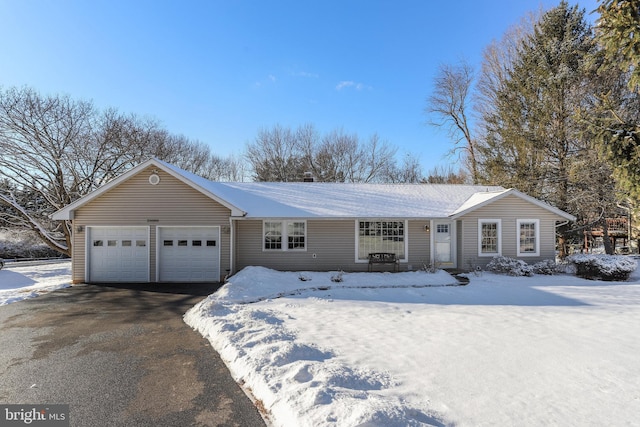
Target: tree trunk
[[608, 249], [562, 250]]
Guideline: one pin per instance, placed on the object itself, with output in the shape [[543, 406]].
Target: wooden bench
[[384, 258]]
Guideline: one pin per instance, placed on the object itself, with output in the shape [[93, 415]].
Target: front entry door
[[442, 241]]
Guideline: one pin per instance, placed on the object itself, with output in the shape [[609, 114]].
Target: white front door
[[442, 241]]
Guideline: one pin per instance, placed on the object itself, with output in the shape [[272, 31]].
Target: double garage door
[[184, 254]]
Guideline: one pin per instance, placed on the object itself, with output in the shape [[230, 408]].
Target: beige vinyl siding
[[332, 241], [419, 244], [78, 255], [459, 244], [135, 202], [509, 210]]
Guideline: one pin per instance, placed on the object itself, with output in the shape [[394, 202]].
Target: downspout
[[232, 233], [432, 250], [232, 244]]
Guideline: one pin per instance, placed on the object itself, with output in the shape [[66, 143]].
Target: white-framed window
[[489, 237], [380, 236], [284, 235], [528, 235]]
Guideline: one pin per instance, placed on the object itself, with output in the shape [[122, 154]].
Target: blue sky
[[218, 71]]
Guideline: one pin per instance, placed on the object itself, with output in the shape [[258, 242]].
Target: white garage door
[[118, 254], [189, 254]]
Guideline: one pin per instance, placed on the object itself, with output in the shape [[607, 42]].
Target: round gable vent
[[154, 179]]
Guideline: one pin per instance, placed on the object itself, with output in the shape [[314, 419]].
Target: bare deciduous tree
[[449, 107], [281, 154], [39, 141], [378, 156], [275, 155], [54, 150], [408, 172]]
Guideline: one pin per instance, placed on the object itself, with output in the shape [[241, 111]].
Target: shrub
[[21, 243], [548, 267], [605, 267], [430, 268], [510, 266], [337, 277]]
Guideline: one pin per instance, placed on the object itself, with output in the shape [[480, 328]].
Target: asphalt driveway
[[119, 356]]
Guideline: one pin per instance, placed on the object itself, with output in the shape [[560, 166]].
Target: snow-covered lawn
[[20, 281], [388, 350], [400, 350]]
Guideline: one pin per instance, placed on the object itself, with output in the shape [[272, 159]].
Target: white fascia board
[[521, 195]]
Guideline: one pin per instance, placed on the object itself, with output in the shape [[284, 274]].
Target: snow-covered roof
[[344, 200], [340, 200], [330, 200]]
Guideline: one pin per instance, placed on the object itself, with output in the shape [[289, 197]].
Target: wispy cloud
[[305, 74], [269, 79], [349, 84]]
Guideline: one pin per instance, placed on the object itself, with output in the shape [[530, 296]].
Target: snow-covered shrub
[[510, 266], [337, 277], [431, 268], [548, 267], [605, 267], [20, 243]]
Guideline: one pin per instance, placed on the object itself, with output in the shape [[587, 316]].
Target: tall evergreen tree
[[619, 34], [618, 127], [533, 135]]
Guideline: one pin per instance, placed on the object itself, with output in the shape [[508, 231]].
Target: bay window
[[380, 236]]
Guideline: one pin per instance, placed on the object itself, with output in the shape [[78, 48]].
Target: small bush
[[431, 268], [510, 266], [604, 267], [337, 277], [548, 267]]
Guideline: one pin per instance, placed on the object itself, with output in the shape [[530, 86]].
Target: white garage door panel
[[189, 254], [118, 254]]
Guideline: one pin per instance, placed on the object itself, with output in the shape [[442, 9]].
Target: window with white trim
[[489, 237], [284, 235], [528, 233], [295, 235], [381, 236]]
